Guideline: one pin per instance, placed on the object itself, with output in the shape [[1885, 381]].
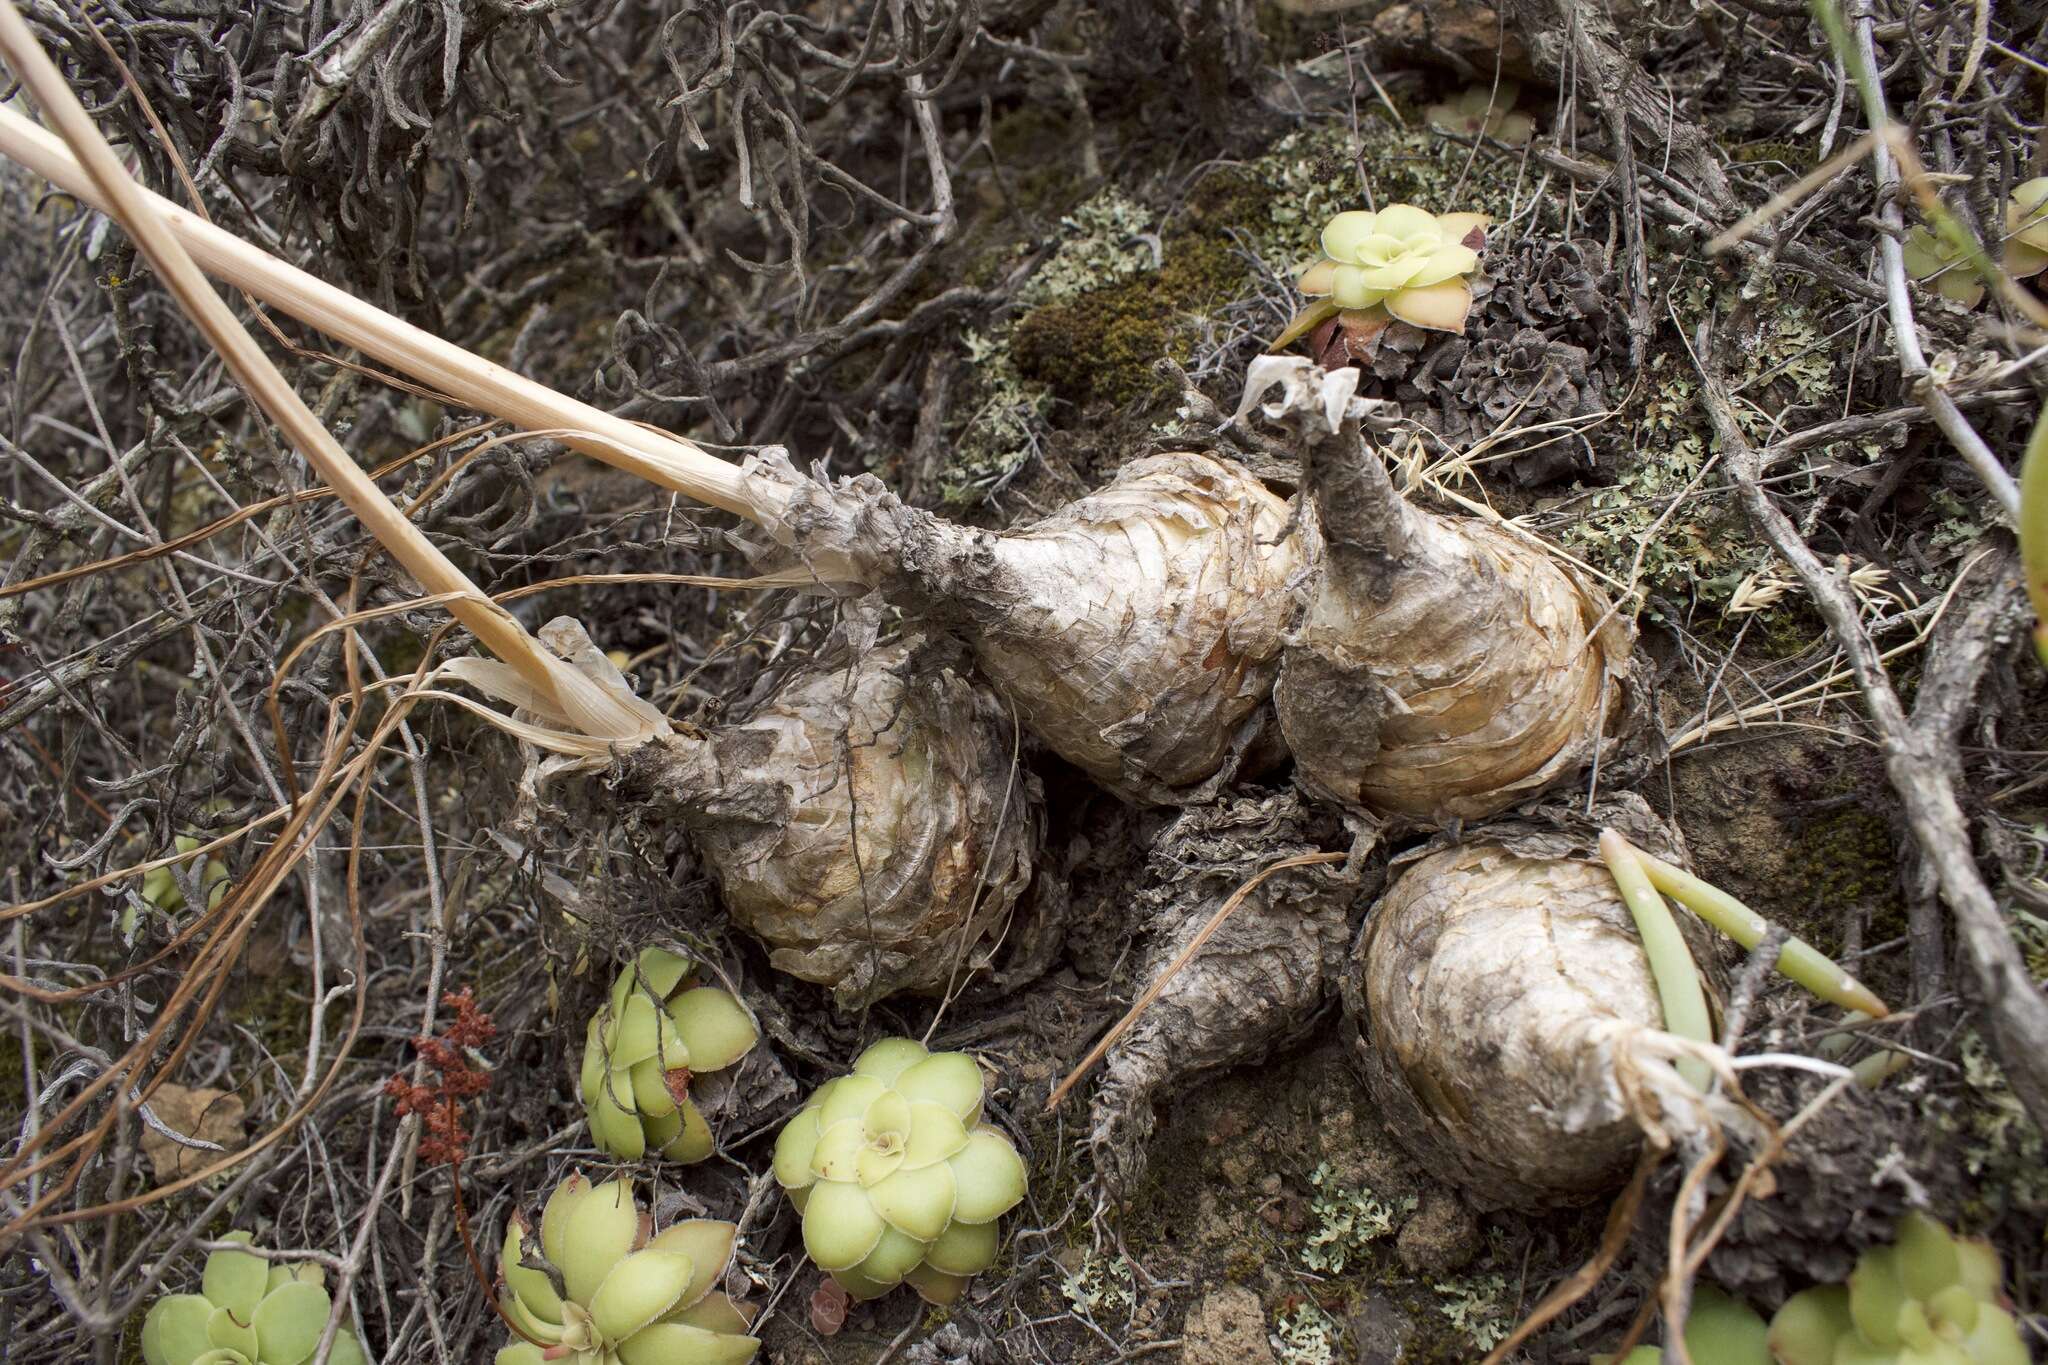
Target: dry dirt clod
[[1228, 1327], [1441, 1237]]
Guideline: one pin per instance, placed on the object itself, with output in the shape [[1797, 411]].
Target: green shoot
[[2034, 529], [1799, 960], [1671, 964]]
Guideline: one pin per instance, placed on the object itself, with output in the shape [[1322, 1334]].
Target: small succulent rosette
[[248, 1311], [2026, 229], [656, 1033], [600, 1287], [1718, 1331], [1942, 266], [1399, 264], [1931, 1298], [1482, 110], [897, 1177]]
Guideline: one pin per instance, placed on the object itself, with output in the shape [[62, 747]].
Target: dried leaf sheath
[[1137, 630], [869, 827]]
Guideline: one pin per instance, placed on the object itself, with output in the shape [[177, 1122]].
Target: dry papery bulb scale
[[868, 822]]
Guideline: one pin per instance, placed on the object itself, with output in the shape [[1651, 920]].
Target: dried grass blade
[[127, 202], [661, 458]]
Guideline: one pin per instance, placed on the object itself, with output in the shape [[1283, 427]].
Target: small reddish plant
[[457, 1080]]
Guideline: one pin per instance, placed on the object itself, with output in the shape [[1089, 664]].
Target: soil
[[1131, 189]]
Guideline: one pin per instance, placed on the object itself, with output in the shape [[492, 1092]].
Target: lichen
[[1128, 285], [1306, 1335], [1348, 1219], [2002, 1149], [1700, 554]]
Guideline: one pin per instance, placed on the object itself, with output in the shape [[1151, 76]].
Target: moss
[[1848, 858], [1102, 344], [1097, 315], [274, 1012]]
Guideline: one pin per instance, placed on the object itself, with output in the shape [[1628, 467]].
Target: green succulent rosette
[[1931, 1298], [2026, 229], [1934, 260], [1479, 109], [248, 1311], [641, 1051], [600, 1287], [898, 1179]]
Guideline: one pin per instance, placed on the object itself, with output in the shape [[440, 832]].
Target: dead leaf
[[209, 1115]]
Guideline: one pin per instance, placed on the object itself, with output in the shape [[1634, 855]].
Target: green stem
[[2034, 529], [1671, 964], [1798, 959]]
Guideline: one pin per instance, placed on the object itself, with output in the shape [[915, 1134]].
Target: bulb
[[869, 824]]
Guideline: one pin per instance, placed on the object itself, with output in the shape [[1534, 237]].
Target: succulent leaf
[[991, 1177], [289, 1323], [661, 971], [174, 1332], [638, 1290], [917, 1202], [708, 1243], [718, 1313], [532, 1287], [949, 1079], [224, 1329], [676, 1343], [714, 1026], [1995, 1340], [850, 1098], [935, 1286], [694, 1142], [235, 1280], [889, 1059], [601, 1230], [893, 1258], [1928, 1261], [554, 1219], [841, 1225], [965, 1248], [1806, 1328]]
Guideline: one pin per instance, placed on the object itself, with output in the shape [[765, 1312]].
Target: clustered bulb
[[614, 1292], [1931, 256], [1492, 985], [642, 1049], [896, 1176], [1478, 110], [1404, 260], [2026, 229], [247, 1312], [1931, 1298]]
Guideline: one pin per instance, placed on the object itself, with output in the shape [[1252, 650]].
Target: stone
[[1442, 1236], [1228, 1327]]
